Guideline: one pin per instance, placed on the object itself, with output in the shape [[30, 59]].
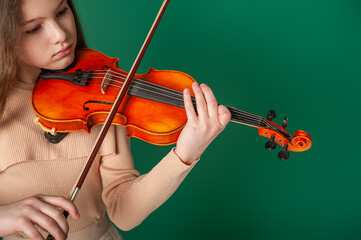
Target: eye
[[33, 30], [62, 12]]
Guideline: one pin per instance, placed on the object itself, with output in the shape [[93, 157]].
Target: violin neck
[[246, 118], [143, 89]]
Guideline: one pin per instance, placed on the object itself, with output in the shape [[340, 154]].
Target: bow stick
[[114, 109]]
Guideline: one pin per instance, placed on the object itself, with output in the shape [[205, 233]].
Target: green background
[[300, 58]]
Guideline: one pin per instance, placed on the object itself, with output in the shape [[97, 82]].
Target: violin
[[82, 95]]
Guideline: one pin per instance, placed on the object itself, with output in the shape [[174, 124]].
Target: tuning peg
[[284, 154], [271, 145], [285, 122], [271, 115]]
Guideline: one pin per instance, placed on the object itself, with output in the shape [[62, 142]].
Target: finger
[[32, 232], [46, 214], [201, 102], [212, 104], [39, 227], [46, 223], [63, 203], [224, 115], [56, 216], [188, 106]]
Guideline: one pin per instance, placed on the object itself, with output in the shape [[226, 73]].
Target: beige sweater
[[29, 165]]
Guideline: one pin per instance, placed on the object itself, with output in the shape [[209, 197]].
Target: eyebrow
[[35, 19]]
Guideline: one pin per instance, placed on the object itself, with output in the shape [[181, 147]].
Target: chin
[[63, 63]]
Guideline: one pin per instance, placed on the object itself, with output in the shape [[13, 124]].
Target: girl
[[36, 176]]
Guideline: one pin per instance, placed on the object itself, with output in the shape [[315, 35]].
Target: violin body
[[62, 106]]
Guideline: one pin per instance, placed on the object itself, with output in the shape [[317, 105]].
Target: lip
[[64, 51]]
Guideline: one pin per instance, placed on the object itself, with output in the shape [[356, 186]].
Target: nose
[[57, 33]]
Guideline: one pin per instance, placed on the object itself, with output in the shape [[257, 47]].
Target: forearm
[[132, 202]]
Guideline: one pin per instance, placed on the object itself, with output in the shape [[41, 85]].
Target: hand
[[200, 130], [40, 211]]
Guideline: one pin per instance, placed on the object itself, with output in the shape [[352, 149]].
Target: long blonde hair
[[10, 22]]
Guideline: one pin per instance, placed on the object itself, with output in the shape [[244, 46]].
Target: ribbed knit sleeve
[[131, 197]]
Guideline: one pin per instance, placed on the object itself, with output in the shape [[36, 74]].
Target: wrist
[[183, 158]]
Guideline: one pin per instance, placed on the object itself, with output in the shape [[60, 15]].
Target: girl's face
[[48, 35]]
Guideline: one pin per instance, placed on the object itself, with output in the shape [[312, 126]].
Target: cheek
[[33, 52]]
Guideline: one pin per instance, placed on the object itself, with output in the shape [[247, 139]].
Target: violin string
[[176, 92], [239, 114], [235, 112], [179, 101], [173, 91]]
